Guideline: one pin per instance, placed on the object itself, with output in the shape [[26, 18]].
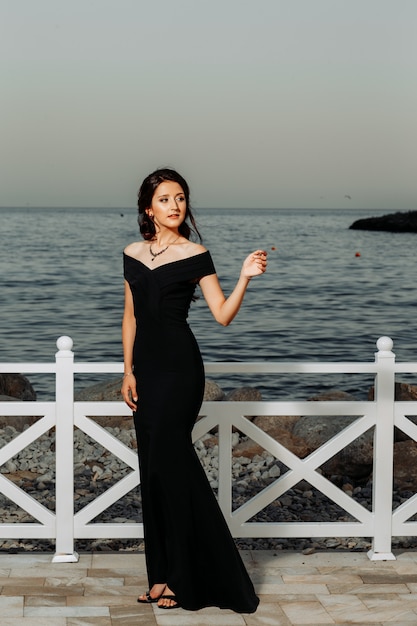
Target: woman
[[191, 558]]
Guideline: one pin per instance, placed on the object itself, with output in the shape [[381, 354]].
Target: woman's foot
[[168, 599], [153, 595]]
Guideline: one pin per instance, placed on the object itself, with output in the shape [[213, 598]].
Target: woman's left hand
[[255, 264]]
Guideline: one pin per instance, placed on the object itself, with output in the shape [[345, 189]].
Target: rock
[[403, 393], [269, 423], [274, 472], [295, 444], [8, 399], [212, 391], [124, 422], [244, 394], [405, 466], [210, 442], [282, 428], [400, 222], [108, 391], [248, 449], [333, 395], [356, 459], [46, 478], [19, 422], [319, 429], [17, 386]]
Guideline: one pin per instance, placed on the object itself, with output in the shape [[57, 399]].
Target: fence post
[[383, 452], [64, 451]]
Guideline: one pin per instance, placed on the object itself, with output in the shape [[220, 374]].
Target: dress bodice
[[163, 294]]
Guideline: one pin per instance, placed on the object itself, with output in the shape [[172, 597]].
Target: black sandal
[[149, 598], [169, 597]]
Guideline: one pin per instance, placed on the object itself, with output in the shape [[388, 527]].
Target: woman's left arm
[[225, 309]]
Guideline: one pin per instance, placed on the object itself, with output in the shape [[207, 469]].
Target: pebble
[[96, 470]]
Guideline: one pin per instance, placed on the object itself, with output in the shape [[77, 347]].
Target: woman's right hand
[[129, 392], [255, 264]]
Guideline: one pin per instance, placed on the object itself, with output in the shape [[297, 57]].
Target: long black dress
[[187, 541]]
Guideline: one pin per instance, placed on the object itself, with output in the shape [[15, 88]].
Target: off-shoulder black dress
[[187, 541]]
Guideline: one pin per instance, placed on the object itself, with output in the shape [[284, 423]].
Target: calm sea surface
[[61, 274]]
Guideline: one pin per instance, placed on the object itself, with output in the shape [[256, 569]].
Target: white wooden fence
[[382, 414]]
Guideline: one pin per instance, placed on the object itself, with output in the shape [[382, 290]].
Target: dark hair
[[145, 195]]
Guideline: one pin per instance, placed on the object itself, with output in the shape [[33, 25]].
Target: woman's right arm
[[128, 389]]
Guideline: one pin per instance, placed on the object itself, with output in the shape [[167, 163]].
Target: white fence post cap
[[385, 344], [64, 343]]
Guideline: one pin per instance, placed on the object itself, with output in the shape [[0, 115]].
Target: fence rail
[[64, 414]]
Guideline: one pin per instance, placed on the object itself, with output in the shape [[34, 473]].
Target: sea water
[[328, 294]]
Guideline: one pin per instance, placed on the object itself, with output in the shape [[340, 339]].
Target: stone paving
[[101, 590]]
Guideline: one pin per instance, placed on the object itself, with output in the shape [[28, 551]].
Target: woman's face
[[169, 206]]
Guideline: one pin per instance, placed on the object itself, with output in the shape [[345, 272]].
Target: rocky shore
[[400, 222], [253, 469]]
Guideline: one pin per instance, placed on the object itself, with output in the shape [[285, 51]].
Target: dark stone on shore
[[244, 394], [333, 396], [400, 222], [212, 392], [280, 428], [17, 386], [403, 393], [108, 391], [355, 460], [405, 460], [296, 445], [18, 422]]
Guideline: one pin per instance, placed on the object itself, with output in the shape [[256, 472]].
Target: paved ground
[[101, 590]]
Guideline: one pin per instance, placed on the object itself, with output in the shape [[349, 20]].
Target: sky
[[266, 103]]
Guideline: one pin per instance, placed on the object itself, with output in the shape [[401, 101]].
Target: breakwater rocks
[[253, 469], [400, 222], [16, 386]]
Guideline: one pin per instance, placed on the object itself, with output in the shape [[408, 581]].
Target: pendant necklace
[[155, 254]]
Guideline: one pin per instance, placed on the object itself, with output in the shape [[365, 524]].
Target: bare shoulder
[[192, 249], [134, 249]]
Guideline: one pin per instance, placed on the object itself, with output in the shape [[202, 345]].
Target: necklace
[[155, 254]]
